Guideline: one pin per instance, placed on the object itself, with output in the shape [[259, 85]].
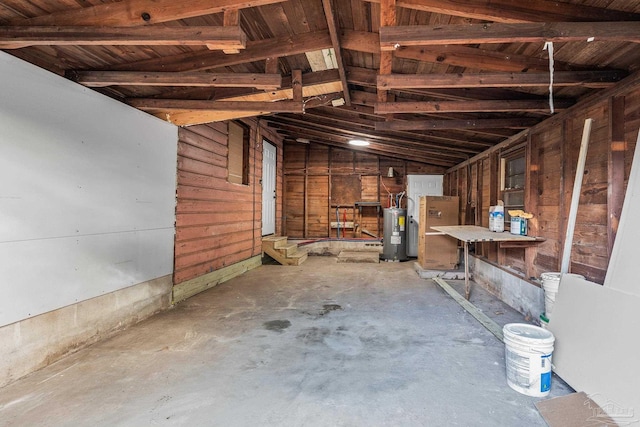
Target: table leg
[[467, 285]]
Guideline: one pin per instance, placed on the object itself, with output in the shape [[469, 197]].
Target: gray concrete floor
[[322, 344]]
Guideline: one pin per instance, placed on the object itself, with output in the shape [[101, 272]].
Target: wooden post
[[575, 197], [467, 284], [305, 218], [567, 128], [531, 201], [615, 189]]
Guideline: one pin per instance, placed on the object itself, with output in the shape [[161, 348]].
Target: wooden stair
[[279, 248]]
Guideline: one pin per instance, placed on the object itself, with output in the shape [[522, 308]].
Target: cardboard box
[[435, 250]]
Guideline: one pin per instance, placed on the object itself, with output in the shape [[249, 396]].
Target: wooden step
[[297, 258], [275, 242], [289, 249], [278, 248]]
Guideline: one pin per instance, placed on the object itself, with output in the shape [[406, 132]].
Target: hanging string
[[549, 46]]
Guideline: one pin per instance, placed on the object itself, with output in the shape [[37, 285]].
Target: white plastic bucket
[[528, 351], [544, 321], [551, 284]]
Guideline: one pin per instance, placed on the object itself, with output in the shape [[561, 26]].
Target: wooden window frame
[[237, 175], [516, 153]]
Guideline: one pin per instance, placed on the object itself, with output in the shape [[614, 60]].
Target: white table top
[[473, 233]]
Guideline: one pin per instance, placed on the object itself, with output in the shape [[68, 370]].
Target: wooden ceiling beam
[[368, 78], [230, 18], [592, 79], [396, 37], [322, 92], [255, 51], [462, 142], [351, 131], [130, 13], [369, 99], [199, 104], [519, 123], [355, 111], [392, 153], [195, 79], [335, 42], [310, 79], [387, 18], [389, 146], [455, 55], [524, 11], [16, 37], [296, 86], [470, 106]]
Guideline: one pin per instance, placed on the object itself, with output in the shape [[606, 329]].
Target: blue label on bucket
[[545, 381], [545, 377]]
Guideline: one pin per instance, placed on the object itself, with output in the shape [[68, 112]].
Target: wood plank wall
[[552, 149], [218, 223], [319, 178]]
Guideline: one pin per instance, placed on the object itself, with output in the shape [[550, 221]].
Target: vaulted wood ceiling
[[433, 81]]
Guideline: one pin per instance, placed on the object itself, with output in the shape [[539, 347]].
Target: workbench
[[472, 234]]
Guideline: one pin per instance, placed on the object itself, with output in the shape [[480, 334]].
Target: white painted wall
[[87, 193]]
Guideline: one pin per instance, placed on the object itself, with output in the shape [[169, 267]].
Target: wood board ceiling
[[432, 81]]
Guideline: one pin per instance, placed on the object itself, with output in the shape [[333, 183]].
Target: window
[[238, 157], [513, 169]]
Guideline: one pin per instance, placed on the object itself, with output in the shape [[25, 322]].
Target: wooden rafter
[[335, 41], [359, 128], [419, 151], [255, 51], [469, 106], [231, 18], [296, 86], [392, 38], [129, 13], [387, 18], [594, 79], [313, 79], [213, 37], [271, 65], [520, 123], [416, 155], [524, 11], [323, 131], [368, 78], [197, 79], [455, 55], [345, 117], [321, 86], [355, 114], [199, 104]]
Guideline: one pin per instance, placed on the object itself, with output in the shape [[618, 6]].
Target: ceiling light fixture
[[359, 142]]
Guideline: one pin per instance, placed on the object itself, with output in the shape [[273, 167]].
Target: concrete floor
[[322, 344]]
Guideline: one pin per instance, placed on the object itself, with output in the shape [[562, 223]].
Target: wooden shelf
[[521, 244]]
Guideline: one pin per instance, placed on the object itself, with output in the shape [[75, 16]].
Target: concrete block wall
[[518, 293], [36, 342]]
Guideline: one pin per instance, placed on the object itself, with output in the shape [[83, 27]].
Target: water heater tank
[[394, 246]]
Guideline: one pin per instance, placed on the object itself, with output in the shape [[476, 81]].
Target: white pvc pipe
[[575, 197]]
